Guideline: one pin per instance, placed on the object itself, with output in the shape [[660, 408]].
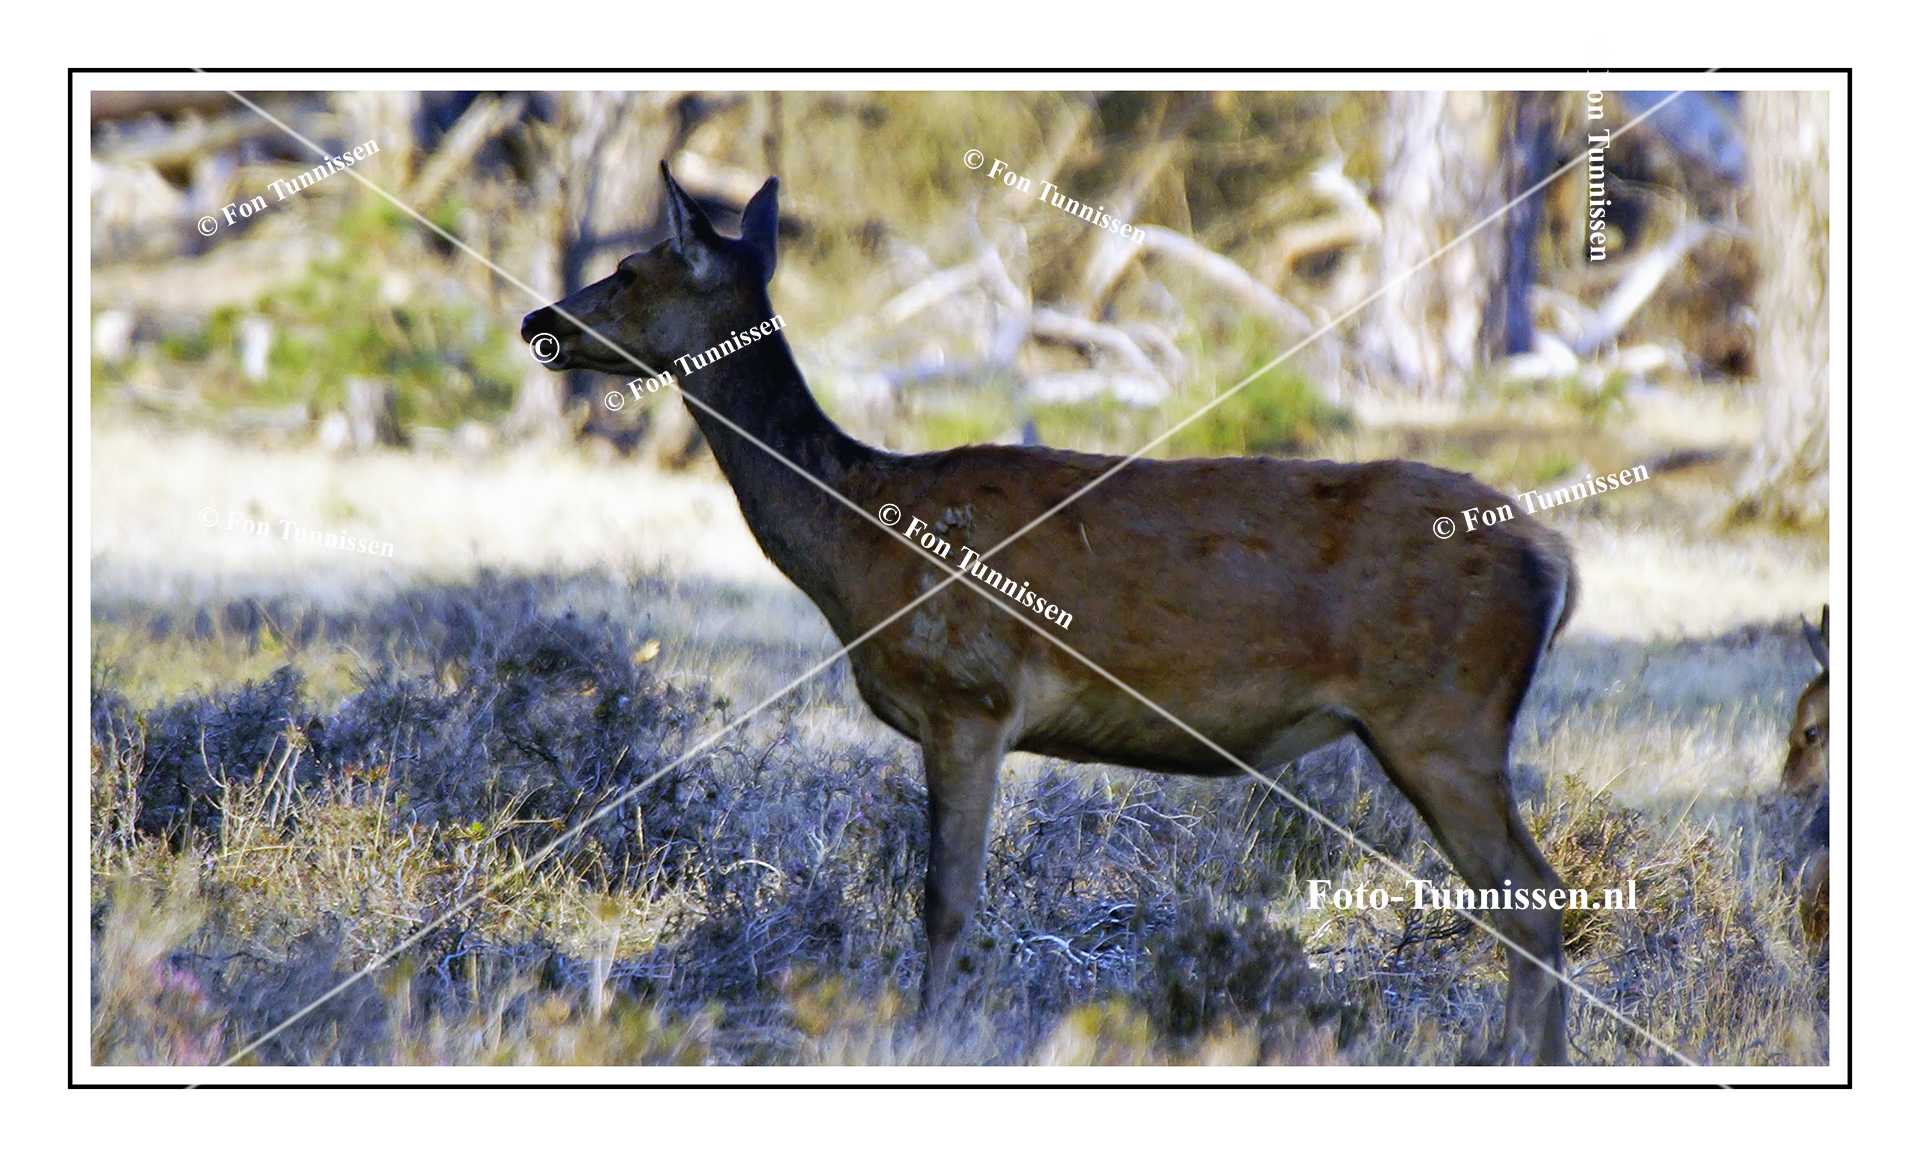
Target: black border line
[[73, 73]]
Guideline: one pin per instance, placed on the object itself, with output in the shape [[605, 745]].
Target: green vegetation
[[335, 325], [1609, 400], [1277, 413], [445, 360]]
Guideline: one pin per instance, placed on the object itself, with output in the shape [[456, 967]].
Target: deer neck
[[759, 392]]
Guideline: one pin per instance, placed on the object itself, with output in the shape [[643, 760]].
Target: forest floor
[[345, 747]]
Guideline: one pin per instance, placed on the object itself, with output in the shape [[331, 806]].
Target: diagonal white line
[[1363, 845], [534, 860], [1327, 328], [443, 234], [954, 575]]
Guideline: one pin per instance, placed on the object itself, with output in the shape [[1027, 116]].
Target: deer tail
[[1553, 562]]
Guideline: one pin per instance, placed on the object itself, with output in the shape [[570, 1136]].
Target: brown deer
[[1805, 774], [1273, 606]]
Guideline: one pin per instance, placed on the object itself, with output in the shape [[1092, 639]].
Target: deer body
[[1272, 606], [1805, 774], [1263, 617]]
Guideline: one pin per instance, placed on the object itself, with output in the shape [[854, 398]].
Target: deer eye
[[1811, 734]]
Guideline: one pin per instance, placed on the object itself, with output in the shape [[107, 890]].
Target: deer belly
[[1099, 727]]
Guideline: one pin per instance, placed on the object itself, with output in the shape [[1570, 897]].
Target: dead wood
[[1061, 145], [478, 125], [1053, 325], [1637, 286], [1227, 274]]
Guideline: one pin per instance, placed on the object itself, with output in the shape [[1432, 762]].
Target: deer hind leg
[[963, 766], [1468, 803]]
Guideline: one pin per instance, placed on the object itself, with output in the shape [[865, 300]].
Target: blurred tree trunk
[[1787, 136], [1450, 159], [607, 160], [392, 120], [1526, 158]]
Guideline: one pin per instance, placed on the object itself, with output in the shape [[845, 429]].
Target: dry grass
[[301, 757]]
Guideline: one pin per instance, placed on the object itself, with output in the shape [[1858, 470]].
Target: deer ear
[[760, 224], [691, 233], [1817, 640]]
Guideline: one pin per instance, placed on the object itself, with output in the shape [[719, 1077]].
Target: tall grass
[[254, 846]]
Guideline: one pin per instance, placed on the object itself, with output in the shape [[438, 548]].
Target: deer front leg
[[963, 765]]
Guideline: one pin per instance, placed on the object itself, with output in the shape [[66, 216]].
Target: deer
[[1273, 606], [1805, 774]]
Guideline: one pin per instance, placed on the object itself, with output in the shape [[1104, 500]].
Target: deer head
[[1806, 768], [679, 297]]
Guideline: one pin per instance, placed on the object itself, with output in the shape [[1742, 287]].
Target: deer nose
[[535, 322]]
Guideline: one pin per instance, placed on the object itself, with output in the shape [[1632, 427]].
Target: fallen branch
[[1112, 254], [986, 269], [478, 125], [1158, 342], [924, 296], [1319, 235], [1226, 273], [174, 149], [1637, 286], [1053, 325], [1060, 146], [1083, 385]]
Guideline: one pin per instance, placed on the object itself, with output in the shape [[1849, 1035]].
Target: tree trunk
[[390, 119], [1451, 160], [539, 404], [1526, 159], [608, 159], [1787, 135]]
